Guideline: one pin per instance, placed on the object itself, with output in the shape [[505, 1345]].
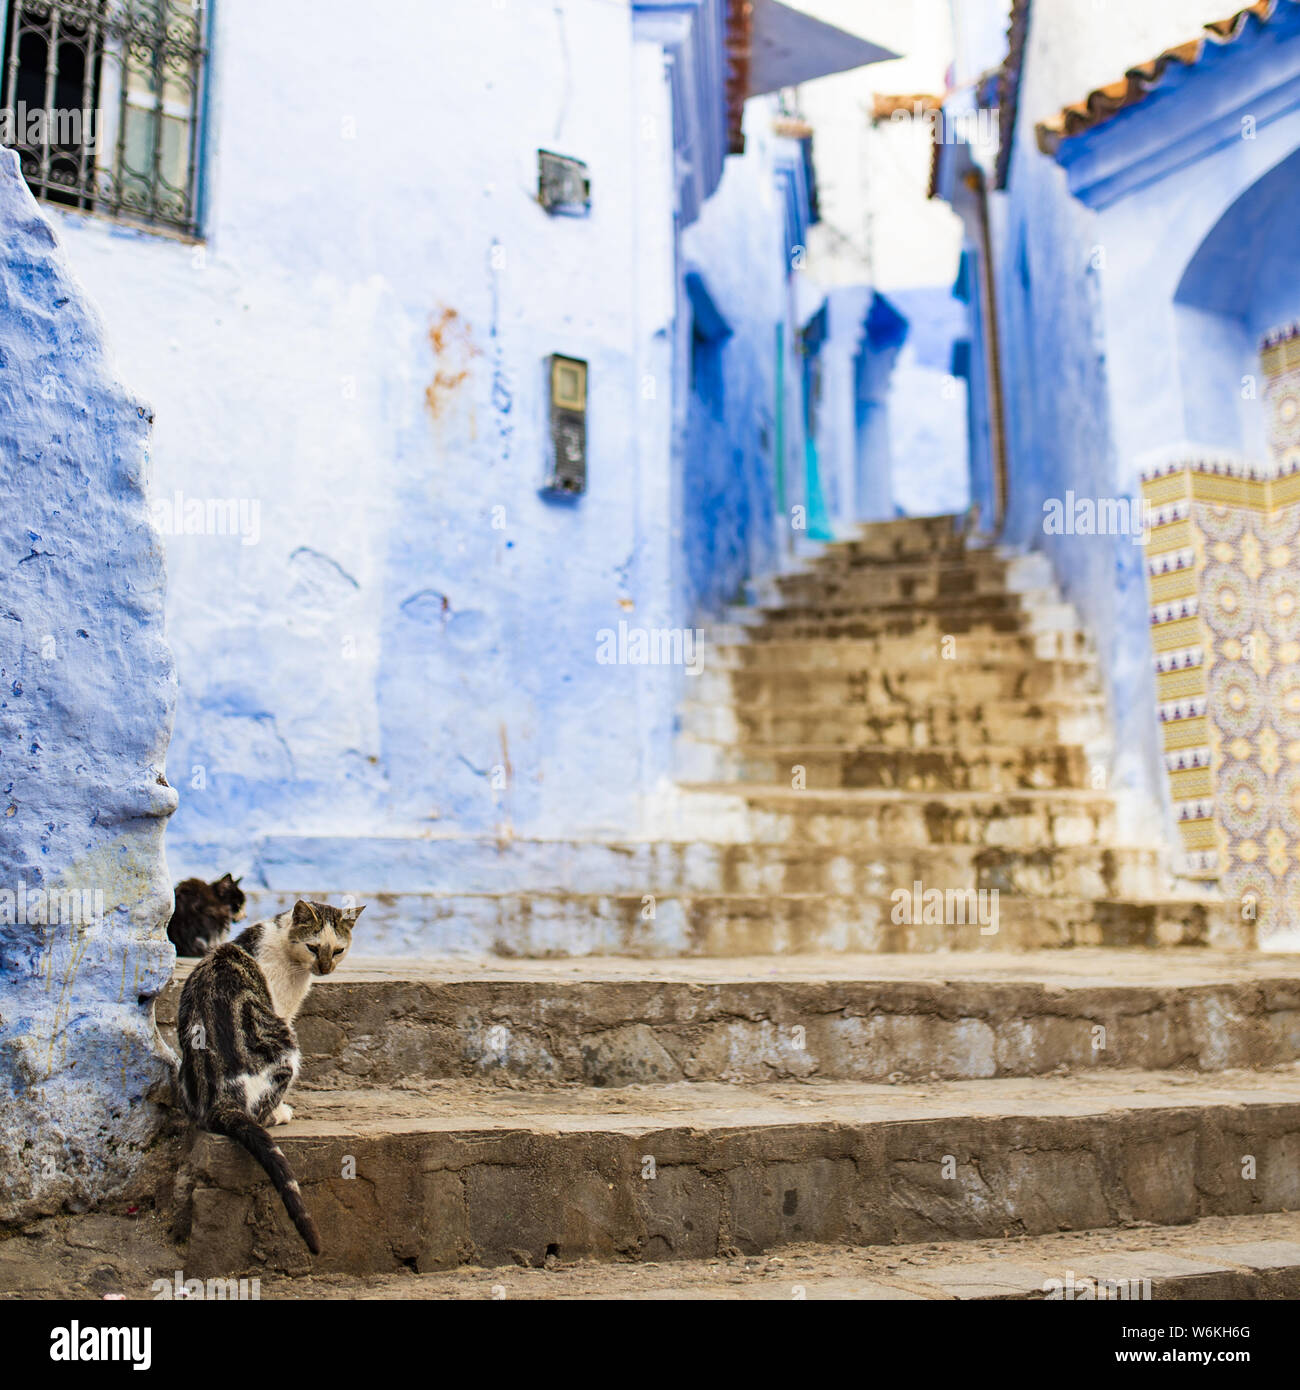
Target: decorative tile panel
[[1223, 576]]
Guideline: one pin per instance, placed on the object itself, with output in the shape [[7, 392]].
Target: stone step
[[993, 613], [700, 866], [656, 925], [993, 585], [941, 525], [988, 768], [902, 540], [762, 603], [1015, 570], [620, 1022], [455, 1173], [733, 648], [947, 726], [856, 820], [1220, 1258], [820, 626], [955, 686], [889, 587]]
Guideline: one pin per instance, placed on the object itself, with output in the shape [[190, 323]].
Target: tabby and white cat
[[239, 1053]]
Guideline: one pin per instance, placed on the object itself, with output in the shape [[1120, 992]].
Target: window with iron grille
[[102, 101]]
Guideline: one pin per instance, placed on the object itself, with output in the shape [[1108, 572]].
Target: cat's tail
[[235, 1124]]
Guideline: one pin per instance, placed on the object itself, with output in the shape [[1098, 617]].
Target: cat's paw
[[281, 1115]]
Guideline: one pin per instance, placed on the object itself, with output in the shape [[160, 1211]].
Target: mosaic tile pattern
[[1223, 575]]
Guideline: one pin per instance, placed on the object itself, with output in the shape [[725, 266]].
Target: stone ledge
[[615, 1022], [447, 1177]]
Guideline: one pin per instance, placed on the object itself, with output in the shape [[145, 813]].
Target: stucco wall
[[86, 696], [1212, 220]]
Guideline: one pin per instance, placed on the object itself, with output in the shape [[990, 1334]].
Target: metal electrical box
[[566, 379], [563, 184]]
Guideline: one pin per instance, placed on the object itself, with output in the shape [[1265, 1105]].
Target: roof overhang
[[1138, 83], [789, 47], [1181, 106]]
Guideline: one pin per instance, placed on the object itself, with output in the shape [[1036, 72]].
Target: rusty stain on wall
[[453, 352]]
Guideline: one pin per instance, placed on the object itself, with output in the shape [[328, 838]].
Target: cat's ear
[[225, 878], [236, 881], [304, 914], [351, 914]]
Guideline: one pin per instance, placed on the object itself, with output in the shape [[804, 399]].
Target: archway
[[1242, 281]]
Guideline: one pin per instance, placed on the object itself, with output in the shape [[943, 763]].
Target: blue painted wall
[[739, 251], [970, 362], [405, 643], [1135, 273], [86, 694], [1241, 282], [358, 349]]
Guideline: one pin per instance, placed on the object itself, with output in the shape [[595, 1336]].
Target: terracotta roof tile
[[884, 105], [740, 45], [1138, 82]]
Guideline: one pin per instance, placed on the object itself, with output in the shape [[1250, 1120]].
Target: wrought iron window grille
[[103, 101]]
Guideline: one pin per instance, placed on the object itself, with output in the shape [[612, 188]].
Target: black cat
[[203, 914]]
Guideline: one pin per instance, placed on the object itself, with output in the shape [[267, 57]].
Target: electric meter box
[[566, 394]]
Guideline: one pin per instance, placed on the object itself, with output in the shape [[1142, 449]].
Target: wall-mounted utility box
[[563, 185], [566, 387]]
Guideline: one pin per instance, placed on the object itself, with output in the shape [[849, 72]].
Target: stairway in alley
[[808, 1098], [908, 715]]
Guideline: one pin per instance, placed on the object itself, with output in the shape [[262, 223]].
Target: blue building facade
[[1126, 263]]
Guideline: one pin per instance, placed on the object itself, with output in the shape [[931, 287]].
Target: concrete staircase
[[750, 1119]]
